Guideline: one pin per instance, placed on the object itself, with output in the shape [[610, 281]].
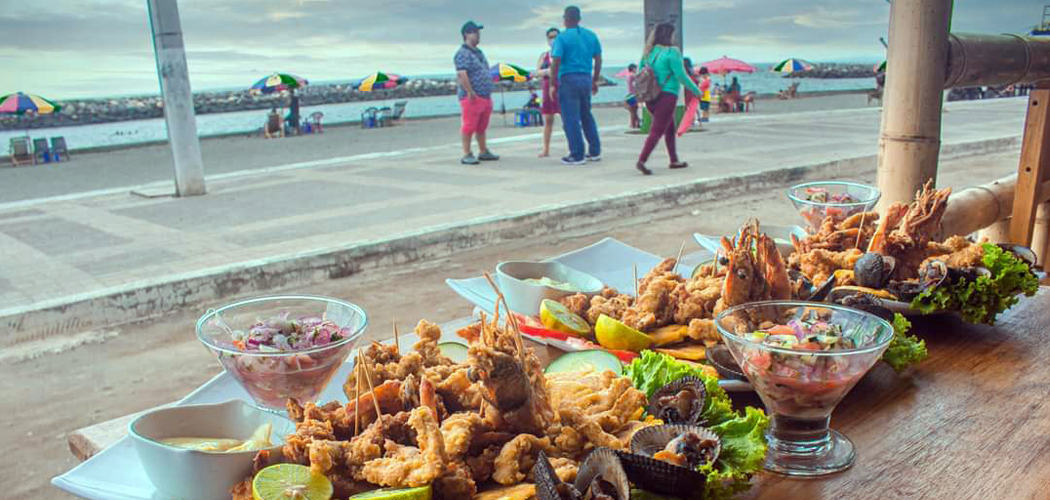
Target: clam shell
[[547, 481], [724, 364], [1022, 252], [873, 270], [650, 440], [603, 462], [661, 477], [672, 415]]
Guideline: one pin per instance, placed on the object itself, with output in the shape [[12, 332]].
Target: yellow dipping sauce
[[260, 440], [545, 281]]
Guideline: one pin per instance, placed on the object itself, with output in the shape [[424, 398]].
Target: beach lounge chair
[[41, 151], [315, 122], [399, 110], [383, 116], [59, 149], [369, 118], [20, 153]]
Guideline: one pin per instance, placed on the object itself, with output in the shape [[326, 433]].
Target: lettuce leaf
[[743, 436], [904, 349], [981, 300]]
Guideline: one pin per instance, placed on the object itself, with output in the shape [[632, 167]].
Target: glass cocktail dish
[[802, 358], [816, 201], [284, 346]]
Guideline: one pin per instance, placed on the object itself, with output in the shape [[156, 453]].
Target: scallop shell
[[672, 415], [548, 484], [661, 477], [650, 440], [603, 463]]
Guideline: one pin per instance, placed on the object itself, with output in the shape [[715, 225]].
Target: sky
[[74, 49]]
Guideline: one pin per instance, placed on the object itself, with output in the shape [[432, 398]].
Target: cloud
[[282, 15], [551, 14], [824, 18]]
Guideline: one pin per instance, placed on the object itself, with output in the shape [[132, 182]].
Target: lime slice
[[589, 360], [290, 482], [612, 334], [559, 318], [420, 493], [456, 351]]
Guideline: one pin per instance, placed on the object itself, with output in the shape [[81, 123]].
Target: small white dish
[[201, 475], [525, 298]]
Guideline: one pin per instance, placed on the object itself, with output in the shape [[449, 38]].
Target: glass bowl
[[273, 376], [800, 388], [814, 212]]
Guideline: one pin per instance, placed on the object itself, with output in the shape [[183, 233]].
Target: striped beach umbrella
[[504, 72], [278, 82], [880, 68], [788, 66], [21, 103], [379, 81]]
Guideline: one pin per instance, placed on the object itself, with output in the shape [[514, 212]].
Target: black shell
[[650, 440], [548, 485], [872, 270], [661, 477], [724, 364], [666, 405], [603, 463], [1022, 252]]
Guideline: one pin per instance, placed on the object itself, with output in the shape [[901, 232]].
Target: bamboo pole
[[976, 208], [911, 116], [1041, 233], [977, 59], [998, 232]]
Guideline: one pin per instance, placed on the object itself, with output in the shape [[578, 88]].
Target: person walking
[[576, 61], [475, 93], [631, 101], [705, 96], [665, 60], [549, 108]]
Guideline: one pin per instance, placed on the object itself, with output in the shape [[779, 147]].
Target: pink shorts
[[476, 114]]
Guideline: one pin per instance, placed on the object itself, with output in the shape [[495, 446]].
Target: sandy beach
[[133, 166]]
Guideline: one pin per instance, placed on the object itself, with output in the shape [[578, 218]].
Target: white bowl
[[202, 475], [525, 298]]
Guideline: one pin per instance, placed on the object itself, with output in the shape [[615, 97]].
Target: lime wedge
[[612, 334], [590, 360], [290, 482], [420, 493], [559, 318], [456, 351]]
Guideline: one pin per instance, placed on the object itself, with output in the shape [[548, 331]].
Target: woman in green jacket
[[666, 61]]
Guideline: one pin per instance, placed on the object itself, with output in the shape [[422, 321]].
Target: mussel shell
[[672, 415], [724, 364], [548, 482], [1022, 252], [867, 303], [822, 292], [649, 441], [873, 270], [905, 290], [661, 477], [605, 463]]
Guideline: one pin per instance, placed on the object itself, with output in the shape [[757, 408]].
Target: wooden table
[[973, 421]]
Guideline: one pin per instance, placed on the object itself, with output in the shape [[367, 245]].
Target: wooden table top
[[973, 421]]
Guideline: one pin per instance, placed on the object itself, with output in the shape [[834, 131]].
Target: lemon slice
[[557, 317], [290, 482], [613, 334], [420, 493]]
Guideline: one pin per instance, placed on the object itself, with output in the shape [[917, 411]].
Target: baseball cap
[[470, 27]]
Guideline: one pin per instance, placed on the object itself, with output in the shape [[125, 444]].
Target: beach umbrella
[[623, 73], [21, 103], [278, 82], [788, 66], [506, 72], [379, 81], [724, 65], [880, 68]]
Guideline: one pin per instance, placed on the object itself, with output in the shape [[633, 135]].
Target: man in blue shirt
[[577, 79]]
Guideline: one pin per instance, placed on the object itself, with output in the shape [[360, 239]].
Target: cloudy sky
[[72, 48]]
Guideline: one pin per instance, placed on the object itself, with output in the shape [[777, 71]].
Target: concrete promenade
[[81, 261]]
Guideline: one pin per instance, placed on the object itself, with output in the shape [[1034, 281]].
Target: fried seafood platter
[[498, 422]]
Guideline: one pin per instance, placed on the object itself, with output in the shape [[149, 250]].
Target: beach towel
[[688, 117]]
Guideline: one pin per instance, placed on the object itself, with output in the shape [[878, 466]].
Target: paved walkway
[[57, 250]]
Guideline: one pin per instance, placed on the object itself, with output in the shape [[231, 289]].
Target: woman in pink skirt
[[549, 108]]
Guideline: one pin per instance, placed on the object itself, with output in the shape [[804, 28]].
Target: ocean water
[[140, 131]]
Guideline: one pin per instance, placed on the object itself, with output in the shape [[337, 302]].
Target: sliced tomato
[[543, 332], [781, 330]]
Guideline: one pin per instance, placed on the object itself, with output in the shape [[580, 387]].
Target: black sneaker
[[469, 160], [488, 156], [593, 158], [569, 160]]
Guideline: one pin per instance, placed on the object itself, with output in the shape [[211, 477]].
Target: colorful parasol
[[21, 103], [880, 68], [504, 72], [278, 82], [788, 66], [379, 81], [624, 72], [725, 65]]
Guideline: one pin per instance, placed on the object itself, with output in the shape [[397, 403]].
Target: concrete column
[[664, 11], [178, 98], [910, 140]]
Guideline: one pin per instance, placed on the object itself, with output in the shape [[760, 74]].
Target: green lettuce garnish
[[904, 349], [981, 300], [743, 435]]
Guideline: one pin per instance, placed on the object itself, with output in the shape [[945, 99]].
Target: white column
[[178, 98], [664, 11]]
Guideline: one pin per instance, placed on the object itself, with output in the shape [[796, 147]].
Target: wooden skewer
[[371, 388], [397, 343], [357, 398], [860, 230], [520, 344], [634, 273], [678, 260]]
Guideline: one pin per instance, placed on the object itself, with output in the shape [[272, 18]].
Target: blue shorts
[[631, 100], [705, 105]]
